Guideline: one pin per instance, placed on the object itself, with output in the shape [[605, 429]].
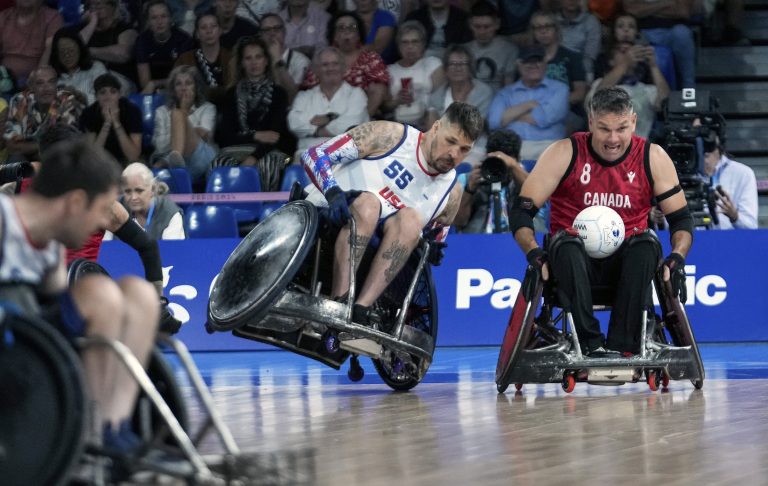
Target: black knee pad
[[650, 238], [561, 238]]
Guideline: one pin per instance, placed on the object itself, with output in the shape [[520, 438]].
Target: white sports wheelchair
[[274, 288]]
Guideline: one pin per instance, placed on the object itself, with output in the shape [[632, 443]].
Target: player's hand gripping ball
[[601, 229]]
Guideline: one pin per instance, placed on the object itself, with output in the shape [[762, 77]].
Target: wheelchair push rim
[[262, 265]]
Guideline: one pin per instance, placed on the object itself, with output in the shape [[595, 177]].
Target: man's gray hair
[[320, 52], [614, 100]]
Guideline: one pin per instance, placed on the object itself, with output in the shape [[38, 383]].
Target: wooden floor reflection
[[307, 429]]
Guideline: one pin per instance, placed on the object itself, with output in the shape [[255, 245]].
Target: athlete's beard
[[433, 163]]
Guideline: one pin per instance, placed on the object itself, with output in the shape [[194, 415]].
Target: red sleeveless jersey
[[624, 185], [89, 251]]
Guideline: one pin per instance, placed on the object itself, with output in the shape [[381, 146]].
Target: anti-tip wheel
[[501, 387], [518, 386], [568, 383]]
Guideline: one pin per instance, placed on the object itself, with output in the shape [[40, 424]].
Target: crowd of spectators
[[279, 75]]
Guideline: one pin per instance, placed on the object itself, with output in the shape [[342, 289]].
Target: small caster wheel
[[697, 384], [568, 383], [331, 343], [664, 381], [518, 386], [501, 387], [209, 328], [397, 366], [355, 372], [653, 380]]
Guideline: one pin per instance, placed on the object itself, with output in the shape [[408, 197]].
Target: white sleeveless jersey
[[20, 261], [400, 179]]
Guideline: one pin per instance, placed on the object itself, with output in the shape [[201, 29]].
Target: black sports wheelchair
[[274, 288], [49, 434], [545, 348]]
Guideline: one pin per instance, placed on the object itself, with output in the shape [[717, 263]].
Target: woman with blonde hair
[[146, 203], [184, 125]]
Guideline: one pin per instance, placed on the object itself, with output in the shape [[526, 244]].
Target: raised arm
[[366, 140]]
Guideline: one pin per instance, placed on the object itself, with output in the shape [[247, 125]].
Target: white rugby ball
[[601, 229]]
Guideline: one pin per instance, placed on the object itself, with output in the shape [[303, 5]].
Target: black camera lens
[[493, 170]]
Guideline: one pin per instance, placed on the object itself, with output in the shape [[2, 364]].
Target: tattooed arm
[[446, 216], [368, 139]]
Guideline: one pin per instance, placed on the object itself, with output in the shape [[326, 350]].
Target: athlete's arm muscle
[[447, 215], [542, 182]]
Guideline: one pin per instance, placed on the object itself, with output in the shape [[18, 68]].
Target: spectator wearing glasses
[[563, 65], [365, 68], [461, 85], [289, 66], [414, 77]]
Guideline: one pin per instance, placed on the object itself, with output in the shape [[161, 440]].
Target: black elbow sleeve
[[521, 214], [680, 220], [146, 246]]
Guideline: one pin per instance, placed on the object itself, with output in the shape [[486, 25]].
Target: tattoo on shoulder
[[376, 137]]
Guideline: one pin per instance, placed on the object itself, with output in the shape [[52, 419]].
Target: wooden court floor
[[307, 424]]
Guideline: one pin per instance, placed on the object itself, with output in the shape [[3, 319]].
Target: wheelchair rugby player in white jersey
[[378, 192]]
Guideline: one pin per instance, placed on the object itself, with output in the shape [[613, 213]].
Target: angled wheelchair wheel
[[42, 404], [519, 327], [421, 314], [262, 265]]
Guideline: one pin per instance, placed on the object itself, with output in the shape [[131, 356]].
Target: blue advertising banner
[[477, 284]]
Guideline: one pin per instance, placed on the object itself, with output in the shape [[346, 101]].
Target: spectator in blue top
[[380, 28], [158, 47], [535, 107]]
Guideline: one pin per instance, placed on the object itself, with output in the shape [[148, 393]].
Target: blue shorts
[[63, 314]]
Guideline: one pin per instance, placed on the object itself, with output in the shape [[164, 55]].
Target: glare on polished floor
[[308, 424]]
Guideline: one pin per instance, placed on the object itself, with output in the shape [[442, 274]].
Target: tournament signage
[[477, 284]]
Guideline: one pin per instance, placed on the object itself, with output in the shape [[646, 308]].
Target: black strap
[[669, 193]]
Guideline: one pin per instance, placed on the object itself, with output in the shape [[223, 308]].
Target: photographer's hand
[[516, 169], [726, 205], [475, 176]]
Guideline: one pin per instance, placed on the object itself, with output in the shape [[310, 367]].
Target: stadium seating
[[237, 179], [210, 221]]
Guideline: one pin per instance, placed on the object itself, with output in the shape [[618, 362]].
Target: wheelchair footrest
[[549, 366], [322, 314]]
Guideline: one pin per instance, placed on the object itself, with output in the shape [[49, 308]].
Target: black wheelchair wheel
[[81, 267], [262, 265], [147, 421], [421, 314], [42, 404]]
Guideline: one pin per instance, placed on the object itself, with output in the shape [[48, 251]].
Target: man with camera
[[490, 187], [734, 186]]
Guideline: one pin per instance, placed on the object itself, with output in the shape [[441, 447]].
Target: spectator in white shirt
[[183, 127], [735, 187], [331, 107]]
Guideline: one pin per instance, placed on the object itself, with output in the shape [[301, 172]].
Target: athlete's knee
[[406, 223], [140, 297], [100, 302], [366, 208]]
